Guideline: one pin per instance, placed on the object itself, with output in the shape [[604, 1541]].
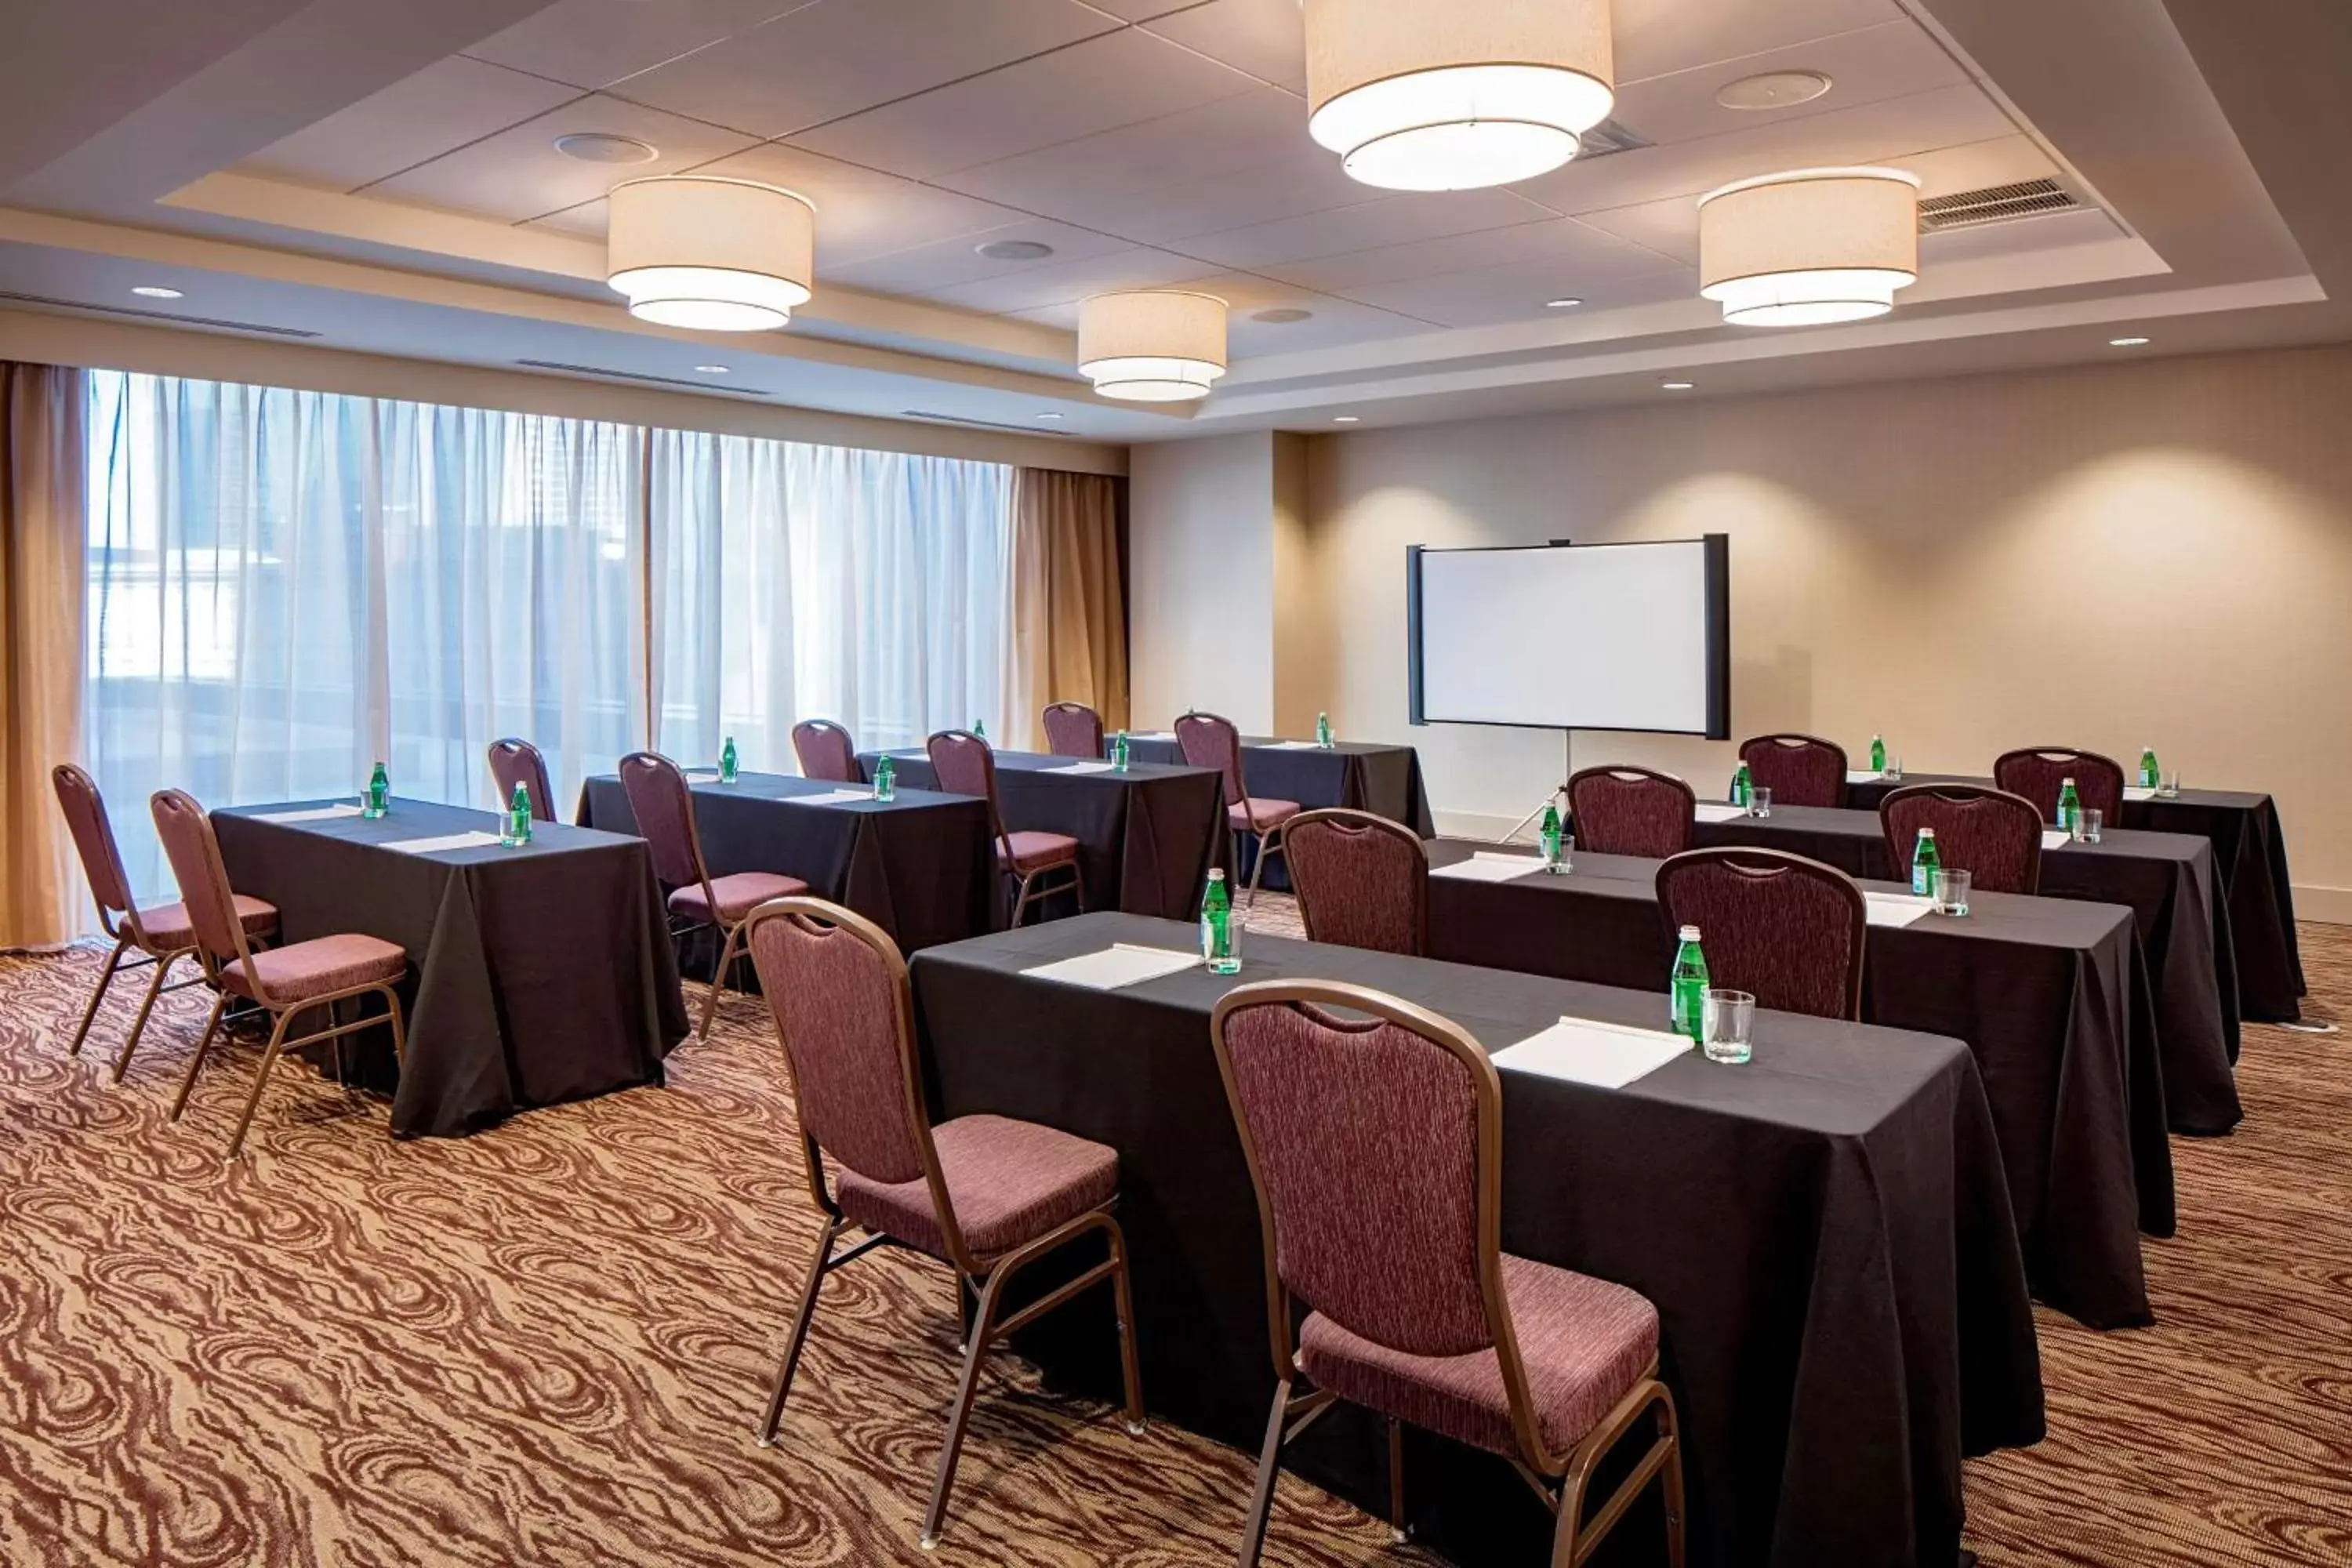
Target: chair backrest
[[663, 808], [516, 761], [1375, 1146], [827, 752], [93, 836], [1211, 741], [2038, 772], [1074, 729], [966, 764], [1995, 837], [188, 844], [1784, 928], [837, 988], [1632, 811], [1799, 770], [1362, 880]]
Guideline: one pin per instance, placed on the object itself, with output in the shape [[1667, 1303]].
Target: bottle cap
[[1216, 874], [1690, 933], [2066, 784], [1926, 833]]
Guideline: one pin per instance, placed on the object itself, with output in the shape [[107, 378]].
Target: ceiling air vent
[[927, 417], [1995, 203], [600, 374], [1608, 136], [168, 318]]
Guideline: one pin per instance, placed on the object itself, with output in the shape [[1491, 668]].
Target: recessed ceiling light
[[1283, 316], [1675, 385], [1014, 250], [1053, 417], [595, 147], [2127, 342], [1773, 89], [1566, 303], [712, 369], [157, 291], [1345, 419]]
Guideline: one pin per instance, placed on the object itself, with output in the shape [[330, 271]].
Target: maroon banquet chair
[[1799, 770], [1362, 880], [2038, 772], [515, 762], [663, 808], [1631, 811], [1074, 729], [985, 1194], [1375, 1144], [286, 982], [966, 765], [164, 934], [826, 752], [1995, 837], [1786, 930], [1210, 741]]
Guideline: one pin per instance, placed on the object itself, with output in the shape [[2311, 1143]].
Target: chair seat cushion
[[1584, 1342], [1257, 813], [316, 968], [169, 928], [737, 894], [1010, 1181], [1036, 851]]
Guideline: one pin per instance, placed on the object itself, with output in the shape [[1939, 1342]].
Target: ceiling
[[388, 178]]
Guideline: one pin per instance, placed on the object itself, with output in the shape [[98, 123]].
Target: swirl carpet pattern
[[548, 1344]]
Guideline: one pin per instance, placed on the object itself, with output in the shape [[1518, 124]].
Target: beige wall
[[1201, 606]]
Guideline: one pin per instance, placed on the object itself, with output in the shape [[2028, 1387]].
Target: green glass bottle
[[886, 779], [1878, 753], [1688, 1008], [1323, 731], [979, 729], [1926, 861], [2150, 776], [2070, 806], [1120, 759], [518, 818], [1743, 787], [1217, 944], [379, 793], [1549, 835], [727, 765]]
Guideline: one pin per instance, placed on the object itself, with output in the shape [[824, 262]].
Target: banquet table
[[921, 866], [1361, 775], [1146, 837], [538, 974], [1826, 1233], [2249, 855], [2166, 879], [2051, 995]]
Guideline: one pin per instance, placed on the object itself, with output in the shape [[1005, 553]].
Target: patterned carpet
[[549, 1345]]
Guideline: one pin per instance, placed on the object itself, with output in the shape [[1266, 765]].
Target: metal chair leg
[[1266, 843], [147, 1006], [203, 1043], [90, 1013], [260, 1082], [801, 1318], [719, 979], [1397, 1531], [1670, 1481], [1269, 1463], [975, 1352], [1123, 1298]]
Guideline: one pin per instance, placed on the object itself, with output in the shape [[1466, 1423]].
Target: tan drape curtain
[[1069, 611], [42, 540]]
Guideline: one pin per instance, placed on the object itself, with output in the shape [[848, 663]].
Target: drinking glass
[[2168, 785], [1760, 800], [1893, 774], [1567, 856], [1725, 1021], [2088, 823], [1952, 892]]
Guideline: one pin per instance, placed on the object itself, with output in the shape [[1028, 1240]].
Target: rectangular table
[[1146, 837], [537, 974], [1826, 1233], [1362, 775], [2043, 989], [921, 867], [2166, 879], [2249, 854]]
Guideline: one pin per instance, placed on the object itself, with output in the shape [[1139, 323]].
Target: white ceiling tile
[[1059, 283], [1263, 37], [1104, 83], [1119, 168], [1311, 181], [1892, 60], [1491, 295], [445, 105], [1390, 220], [1668, 226], [1655, 36], [1142, 10], [518, 173], [838, 57], [2000, 161], [926, 269], [1575, 255], [593, 43]]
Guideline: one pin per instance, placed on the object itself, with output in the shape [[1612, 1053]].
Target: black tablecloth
[[1826, 1233], [2166, 879], [2043, 990], [1363, 776], [2250, 853], [1146, 837], [921, 866], [537, 974]]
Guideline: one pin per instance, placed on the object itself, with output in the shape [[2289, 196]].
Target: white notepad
[[702, 778], [2056, 838], [1295, 746], [317, 814], [1896, 908], [1862, 776], [831, 798], [2135, 792], [1152, 735], [1710, 811], [446, 841], [1121, 964], [1584, 1050], [1484, 868], [1082, 768]]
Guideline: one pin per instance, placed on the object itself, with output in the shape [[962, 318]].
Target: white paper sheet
[[2055, 838], [1082, 768], [2134, 792], [476, 840], [1583, 1050], [1151, 734], [1485, 867], [316, 814], [831, 798], [1712, 811], [1862, 776], [701, 778], [1121, 964], [1293, 746], [1896, 908]]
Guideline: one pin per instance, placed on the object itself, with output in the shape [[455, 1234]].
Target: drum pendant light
[[1158, 345], [717, 255], [1809, 247]]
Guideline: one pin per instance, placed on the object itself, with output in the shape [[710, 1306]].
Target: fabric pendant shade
[[1811, 247], [1152, 345], [715, 255], [1452, 95]]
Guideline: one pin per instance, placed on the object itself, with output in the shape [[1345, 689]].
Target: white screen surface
[[1591, 638]]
